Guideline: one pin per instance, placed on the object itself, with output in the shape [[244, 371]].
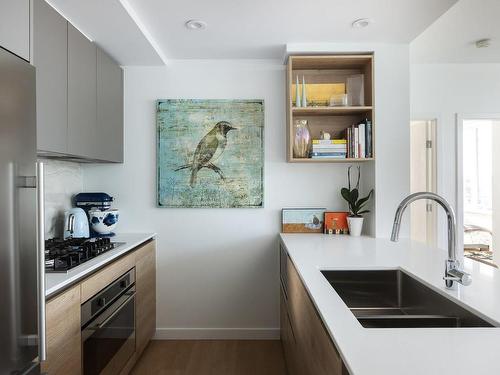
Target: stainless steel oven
[[108, 327]]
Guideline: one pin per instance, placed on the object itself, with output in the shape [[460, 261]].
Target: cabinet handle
[[40, 236]]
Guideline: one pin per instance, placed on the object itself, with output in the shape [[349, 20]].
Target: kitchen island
[[386, 351]]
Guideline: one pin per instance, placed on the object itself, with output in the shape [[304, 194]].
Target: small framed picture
[[302, 220], [336, 222]]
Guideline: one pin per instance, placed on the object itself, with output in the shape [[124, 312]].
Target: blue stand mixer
[[97, 206]]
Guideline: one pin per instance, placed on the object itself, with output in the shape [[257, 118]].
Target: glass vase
[[302, 140]]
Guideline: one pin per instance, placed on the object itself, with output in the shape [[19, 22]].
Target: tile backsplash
[[62, 181]]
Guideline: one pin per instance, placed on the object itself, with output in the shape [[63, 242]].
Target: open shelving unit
[[329, 69]]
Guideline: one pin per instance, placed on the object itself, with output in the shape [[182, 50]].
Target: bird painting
[[210, 153], [209, 150]]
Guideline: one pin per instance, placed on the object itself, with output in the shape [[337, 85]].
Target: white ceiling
[[260, 28], [240, 29], [107, 23], [451, 38]]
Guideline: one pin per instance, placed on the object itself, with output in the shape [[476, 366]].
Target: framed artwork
[[336, 222], [210, 153], [302, 220]]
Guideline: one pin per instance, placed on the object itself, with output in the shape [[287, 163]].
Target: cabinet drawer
[[103, 278]]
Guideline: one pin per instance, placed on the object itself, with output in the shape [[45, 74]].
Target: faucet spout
[[452, 263]]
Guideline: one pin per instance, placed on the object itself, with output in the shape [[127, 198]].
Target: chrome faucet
[[453, 270]]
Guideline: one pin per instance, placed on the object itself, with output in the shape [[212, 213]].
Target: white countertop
[[408, 351], [55, 282]]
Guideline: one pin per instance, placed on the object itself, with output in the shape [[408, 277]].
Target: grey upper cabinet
[[82, 91], [49, 56], [109, 139], [15, 27], [79, 90]]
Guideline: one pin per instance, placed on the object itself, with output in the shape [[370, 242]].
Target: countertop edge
[[132, 241]]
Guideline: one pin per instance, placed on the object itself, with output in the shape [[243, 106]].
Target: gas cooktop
[[64, 255]]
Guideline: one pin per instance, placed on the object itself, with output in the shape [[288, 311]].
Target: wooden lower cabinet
[[64, 347], [306, 343], [63, 312], [145, 303], [288, 341]]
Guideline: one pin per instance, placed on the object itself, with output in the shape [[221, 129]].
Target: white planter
[[355, 225]]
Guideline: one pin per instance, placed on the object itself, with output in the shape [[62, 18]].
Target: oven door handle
[[113, 314]]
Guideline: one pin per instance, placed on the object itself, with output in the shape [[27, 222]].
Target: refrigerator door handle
[[40, 217]]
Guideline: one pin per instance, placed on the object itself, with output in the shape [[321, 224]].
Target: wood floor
[[212, 357]]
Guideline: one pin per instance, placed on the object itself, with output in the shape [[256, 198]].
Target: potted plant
[[356, 204]]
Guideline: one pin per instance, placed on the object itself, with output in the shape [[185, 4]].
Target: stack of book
[[359, 140], [329, 149]]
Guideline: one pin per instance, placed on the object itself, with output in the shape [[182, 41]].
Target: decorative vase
[[355, 225], [302, 140], [298, 102], [304, 95]]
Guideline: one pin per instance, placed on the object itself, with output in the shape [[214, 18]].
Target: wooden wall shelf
[[329, 111], [329, 69], [332, 160]]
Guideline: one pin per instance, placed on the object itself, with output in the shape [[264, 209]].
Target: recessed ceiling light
[[196, 25], [483, 43], [360, 23]]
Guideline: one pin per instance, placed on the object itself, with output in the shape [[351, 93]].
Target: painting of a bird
[[210, 153], [209, 150]]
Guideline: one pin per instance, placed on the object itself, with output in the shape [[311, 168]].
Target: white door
[[478, 187], [423, 214]]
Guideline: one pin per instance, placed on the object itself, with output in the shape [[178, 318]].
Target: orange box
[[336, 221]]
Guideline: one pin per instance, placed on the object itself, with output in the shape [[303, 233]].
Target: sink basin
[[393, 299]]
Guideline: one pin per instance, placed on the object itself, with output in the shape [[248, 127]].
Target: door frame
[[459, 192], [436, 147]]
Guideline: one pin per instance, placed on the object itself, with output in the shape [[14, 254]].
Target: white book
[[362, 142], [356, 142]]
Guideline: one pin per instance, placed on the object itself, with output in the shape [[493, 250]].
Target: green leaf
[[362, 201], [354, 195], [346, 194], [363, 212]]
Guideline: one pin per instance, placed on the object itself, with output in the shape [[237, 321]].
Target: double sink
[[394, 299]]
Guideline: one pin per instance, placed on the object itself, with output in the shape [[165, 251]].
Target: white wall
[[218, 272], [392, 106], [442, 91]]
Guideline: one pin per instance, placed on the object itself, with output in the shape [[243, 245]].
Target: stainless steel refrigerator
[[22, 303]]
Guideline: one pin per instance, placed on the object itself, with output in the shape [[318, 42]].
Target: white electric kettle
[[76, 224]]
